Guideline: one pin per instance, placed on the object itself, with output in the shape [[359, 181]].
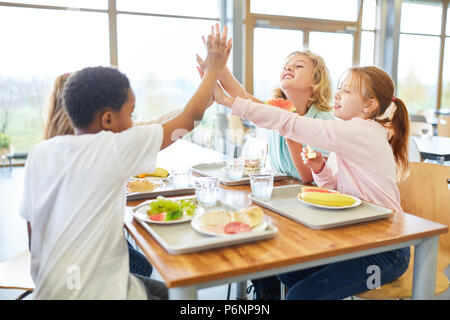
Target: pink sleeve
[[316, 132], [326, 178]]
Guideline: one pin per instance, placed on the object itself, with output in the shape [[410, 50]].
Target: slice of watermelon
[[282, 103], [237, 227], [158, 217], [318, 189]]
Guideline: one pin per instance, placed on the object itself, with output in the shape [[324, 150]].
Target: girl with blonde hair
[[304, 81]]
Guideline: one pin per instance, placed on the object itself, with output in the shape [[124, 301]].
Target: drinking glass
[[235, 168], [261, 184], [181, 177], [206, 190]]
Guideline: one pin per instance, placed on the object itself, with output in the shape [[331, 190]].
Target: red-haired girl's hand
[[316, 164], [221, 97]]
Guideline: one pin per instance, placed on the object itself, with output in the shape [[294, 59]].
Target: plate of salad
[[168, 211]]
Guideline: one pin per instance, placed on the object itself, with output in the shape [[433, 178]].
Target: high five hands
[[216, 43], [218, 50]]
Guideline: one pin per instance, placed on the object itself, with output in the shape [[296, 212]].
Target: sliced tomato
[[158, 217], [237, 227]]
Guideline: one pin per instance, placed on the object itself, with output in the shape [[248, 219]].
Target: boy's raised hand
[[218, 50]]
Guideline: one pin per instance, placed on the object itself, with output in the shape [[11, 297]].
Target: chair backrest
[[413, 151], [443, 126], [417, 118], [415, 129], [425, 193]]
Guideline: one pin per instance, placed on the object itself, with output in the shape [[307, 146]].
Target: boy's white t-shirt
[[74, 199]]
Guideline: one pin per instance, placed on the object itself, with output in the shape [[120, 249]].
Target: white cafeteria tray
[[284, 201], [181, 238], [215, 169], [166, 190]]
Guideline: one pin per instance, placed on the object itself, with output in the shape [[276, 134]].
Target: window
[[57, 38], [445, 104], [337, 51], [197, 8], [327, 28], [161, 65], [59, 41], [319, 9], [272, 46], [368, 25], [92, 4], [419, 55], [418, 71]]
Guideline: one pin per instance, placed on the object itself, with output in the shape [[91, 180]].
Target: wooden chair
[[15, 274], [424, 193], [443, 127], [415, 129]]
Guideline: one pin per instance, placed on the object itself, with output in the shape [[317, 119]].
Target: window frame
[[112, 18], [306, 25]]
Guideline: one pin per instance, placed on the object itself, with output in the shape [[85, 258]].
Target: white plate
[[198, 225], [142, 215], [357, 203], [158, 185]]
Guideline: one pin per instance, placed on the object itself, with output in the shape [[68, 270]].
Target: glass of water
[[261, 184], [181, 177], [235, 168], [206, 190]]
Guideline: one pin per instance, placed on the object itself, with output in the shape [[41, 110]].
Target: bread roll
[[253, 216], [141, 186], [215, 218]]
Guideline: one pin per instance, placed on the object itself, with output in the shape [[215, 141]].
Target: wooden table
[[294, 247], [434, 148]]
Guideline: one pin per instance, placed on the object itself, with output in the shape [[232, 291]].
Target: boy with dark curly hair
[[74, 196]]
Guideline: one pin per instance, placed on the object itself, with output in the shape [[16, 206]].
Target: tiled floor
[[13, 235]]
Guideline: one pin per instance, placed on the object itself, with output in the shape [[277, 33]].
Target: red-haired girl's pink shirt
[[366, 166]]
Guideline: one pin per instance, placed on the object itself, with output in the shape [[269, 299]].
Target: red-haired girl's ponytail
[[399, 139]]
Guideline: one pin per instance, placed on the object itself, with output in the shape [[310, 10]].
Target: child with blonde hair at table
[[74, 197], [304, 81], [370, 140]]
